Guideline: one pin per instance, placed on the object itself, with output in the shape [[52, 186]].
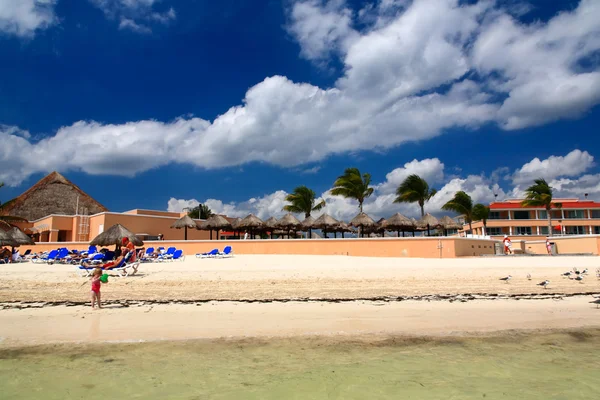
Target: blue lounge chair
[[227, 252], [46, 258], [212, 253]]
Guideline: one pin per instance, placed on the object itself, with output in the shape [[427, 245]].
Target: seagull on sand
[[506, 278], [598, 273], [579, 278], [544, 283], [567, 274], [585, 271], [596, 301], [529, 277]]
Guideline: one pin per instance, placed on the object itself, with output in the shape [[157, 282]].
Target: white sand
[[298, 276], [232, 319]]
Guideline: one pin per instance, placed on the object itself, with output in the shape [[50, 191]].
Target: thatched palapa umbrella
[[252, 223], [114, 236], [235, 226], [184, 222], [362, 221], [307, 225], [326, 223], [271, 224], [6, 239], [399, 222], [428, 221], [289, 223], [448, 223], [217, 223], [343, 227], [19, 236], [380, 226]]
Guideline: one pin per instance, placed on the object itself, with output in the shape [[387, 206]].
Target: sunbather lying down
[[119, 261]]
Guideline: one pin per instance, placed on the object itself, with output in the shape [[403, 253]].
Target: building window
[[597, 230], [523, 230], [574, 214], [521, 215], [595, 213], [493, 231], [544, 230], [494, 215], [542, 214], [575, 230]]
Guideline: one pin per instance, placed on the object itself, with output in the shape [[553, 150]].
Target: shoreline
[[369, 321]]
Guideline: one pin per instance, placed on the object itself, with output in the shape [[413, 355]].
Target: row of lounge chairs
[[124, 268], [162, 255], [215, 253]]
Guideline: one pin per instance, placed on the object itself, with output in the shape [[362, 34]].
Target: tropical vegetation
[[462, 204], [481, 212], [353, 185], [415, 189], [540, 195], [201, 211], [303, 201]]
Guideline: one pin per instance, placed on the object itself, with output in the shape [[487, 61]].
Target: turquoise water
[[556, 366]]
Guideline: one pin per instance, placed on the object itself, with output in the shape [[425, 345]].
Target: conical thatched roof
[[326, 222], [235, 224], [54, 194], [216, 222], [251, 221], [183, 222], [19, 236], [382, 223], [399, 221], [288, 221], [344, 227], [271, 223], [428, 219], [114, 235], [6, 239], [448, 223], [362, 219], [307, 223]]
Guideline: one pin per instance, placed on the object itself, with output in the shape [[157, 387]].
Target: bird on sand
[[596, 301], [529, 277], [544, 283], [567, 274], [506, 278], [579, 278]]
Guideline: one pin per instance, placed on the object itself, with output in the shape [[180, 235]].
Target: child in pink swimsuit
[[96, 283]]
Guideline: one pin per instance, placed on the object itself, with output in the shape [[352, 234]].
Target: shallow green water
[[557, 366]]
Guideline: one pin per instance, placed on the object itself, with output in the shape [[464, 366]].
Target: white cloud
[[574, 163], [135, 15], [178, 205], [403, 80], [24, 17]]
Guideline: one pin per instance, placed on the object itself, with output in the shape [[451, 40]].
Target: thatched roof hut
[[400, 223], [343, 228], [184, 222], [427, 222], [114, 235], [235, 224], [19, 236], [326, 223], [215, 222], [6, 239], [289, 222], [448, 223], [271, 224], [54, 194], [251, 222], [307, 224], [362, 220]]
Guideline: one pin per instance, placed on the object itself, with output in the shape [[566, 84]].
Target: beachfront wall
[[567, 245], [449, 247]]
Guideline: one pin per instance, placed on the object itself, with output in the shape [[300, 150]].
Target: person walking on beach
[[548, 246], [96, 283], [507, 245]]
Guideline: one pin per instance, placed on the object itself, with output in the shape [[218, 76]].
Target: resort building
[[59, 211], [569, 217]]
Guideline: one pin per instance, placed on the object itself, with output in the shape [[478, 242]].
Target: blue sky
[[166, 103]]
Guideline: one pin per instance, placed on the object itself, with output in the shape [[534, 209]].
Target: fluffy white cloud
[[135, 15], [574, 163], [24, 17], [420, 68]]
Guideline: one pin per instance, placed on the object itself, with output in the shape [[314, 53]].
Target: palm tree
[[8, 219], [303, 200], [540, 195], [415, 189], [463, 204], [201, 211], [481, 212], [353, 185]]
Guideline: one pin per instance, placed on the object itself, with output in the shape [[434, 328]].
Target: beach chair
[[227, 252], [212, 253], [46, 258], [62, 256], [178, 256]]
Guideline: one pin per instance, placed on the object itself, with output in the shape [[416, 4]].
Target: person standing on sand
[[548, 246], [245, 235], [96, 283], [507, 245]]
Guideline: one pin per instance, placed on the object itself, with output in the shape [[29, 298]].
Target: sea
[[564, 365]]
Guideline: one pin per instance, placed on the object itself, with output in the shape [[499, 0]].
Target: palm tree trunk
[[422, 210], [484, 228], [549, 215], [185, 233], [470, 227], [211, 234]]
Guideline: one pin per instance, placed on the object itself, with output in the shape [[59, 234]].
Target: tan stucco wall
[[567, 245], [372, 247]]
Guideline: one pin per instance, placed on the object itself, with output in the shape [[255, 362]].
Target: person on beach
[[548, 246], [507, 245], [96, 283], [129, 247]]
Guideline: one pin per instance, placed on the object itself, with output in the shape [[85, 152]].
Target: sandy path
[[232, 319], [298, 276]]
